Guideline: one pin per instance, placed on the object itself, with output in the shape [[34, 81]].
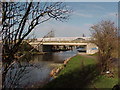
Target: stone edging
[[55, 71]]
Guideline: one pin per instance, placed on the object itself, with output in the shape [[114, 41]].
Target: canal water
[[36, 70]]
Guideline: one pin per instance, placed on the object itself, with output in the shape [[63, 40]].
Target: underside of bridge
[[53, 48], [47, 48], [82, 48]]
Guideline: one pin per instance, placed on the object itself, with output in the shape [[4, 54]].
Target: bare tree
[[105, 37], [20, 18]]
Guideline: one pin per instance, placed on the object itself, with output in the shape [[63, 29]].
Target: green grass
[[76, 63], [105, 82], [81, 72]]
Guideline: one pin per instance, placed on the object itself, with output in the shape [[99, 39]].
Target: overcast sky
[[84, 15]]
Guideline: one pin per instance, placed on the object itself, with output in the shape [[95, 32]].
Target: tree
[[20, 18], [83, 35], [105, 37]]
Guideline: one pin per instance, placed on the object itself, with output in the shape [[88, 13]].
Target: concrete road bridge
[[60, 43]]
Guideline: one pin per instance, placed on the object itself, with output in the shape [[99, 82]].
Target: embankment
[[56, 71]]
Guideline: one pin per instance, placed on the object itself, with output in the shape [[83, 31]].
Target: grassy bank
[[81, 72]]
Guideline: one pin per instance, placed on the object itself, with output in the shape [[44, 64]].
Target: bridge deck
[[55, 43]]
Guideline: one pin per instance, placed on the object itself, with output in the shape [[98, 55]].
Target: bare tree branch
[[105, 37], [20, 18]]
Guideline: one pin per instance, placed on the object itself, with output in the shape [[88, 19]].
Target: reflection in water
[[57, 57], [36, 68]]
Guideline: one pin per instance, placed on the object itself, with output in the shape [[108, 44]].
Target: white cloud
[[83, 15], [112, 14], [97, 7]]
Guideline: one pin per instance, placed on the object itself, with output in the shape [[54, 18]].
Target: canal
[[36, 71]]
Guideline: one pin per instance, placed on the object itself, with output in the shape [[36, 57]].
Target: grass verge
[[81, 72]]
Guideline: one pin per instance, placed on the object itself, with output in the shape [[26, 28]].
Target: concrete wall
[[91, 48]]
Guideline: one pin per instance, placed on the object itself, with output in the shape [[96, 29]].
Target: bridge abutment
[[91, 48]]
